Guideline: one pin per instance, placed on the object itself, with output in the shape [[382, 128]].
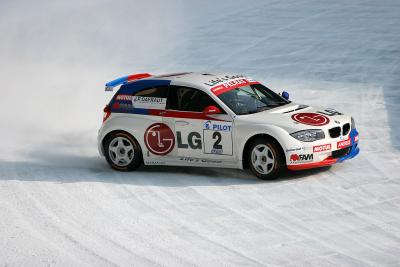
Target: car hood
[[296, 117]]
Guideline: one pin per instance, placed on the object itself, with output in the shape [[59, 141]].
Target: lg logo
[[313, 119], [159, 139]]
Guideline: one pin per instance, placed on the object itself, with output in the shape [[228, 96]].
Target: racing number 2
[[217, 143], [217, 137]]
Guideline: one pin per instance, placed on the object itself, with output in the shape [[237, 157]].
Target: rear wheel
[[265, 159], [122, 152]]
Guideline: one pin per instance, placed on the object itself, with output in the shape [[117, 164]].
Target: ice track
[[61, 205]]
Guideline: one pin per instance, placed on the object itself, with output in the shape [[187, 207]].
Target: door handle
[[181, 123]]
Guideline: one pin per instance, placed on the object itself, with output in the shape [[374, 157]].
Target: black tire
[[273, 169], [131, 159]]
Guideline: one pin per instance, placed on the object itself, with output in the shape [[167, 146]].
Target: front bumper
[[345, 153]]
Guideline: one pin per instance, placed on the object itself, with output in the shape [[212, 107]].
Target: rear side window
[[161, 91], [151, 98], [188, 99]]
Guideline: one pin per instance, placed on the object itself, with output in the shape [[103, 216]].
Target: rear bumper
[[354, 151], [100, 142]]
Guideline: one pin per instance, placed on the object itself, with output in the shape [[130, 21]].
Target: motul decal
[[124, 97], [322, 148]]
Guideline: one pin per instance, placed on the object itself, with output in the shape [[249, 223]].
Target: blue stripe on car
[[133, 87], [130, 89], [354, 147]]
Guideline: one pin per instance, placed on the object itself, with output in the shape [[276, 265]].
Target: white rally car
[[219, 120]]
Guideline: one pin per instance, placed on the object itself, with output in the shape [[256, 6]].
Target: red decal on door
[[159, 139]]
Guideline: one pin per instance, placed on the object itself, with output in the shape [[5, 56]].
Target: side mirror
[[285, 95], [210, 110]]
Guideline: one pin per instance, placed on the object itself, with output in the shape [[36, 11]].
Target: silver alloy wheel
[[263, 159], [121, 151]]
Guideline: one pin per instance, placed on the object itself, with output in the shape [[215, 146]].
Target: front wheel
[[265, 159], [122, 152]]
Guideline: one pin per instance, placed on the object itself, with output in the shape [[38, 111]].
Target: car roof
[[205, 81]]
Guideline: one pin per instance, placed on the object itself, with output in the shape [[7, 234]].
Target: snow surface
[[60, 203]]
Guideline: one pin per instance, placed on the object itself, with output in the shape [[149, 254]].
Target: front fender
[[245, 133]]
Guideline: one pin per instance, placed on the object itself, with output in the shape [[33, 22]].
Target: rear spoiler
[[123, 80]]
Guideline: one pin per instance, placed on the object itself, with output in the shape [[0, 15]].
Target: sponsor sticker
[[219, 151], [198, 160], [344, 143], [159, 139], [154, 162], [301, 158], [125, 106], [124, 97], [322, 148], [330, 112], [223, 79], [229, 85], [193, 140], [149, 102], [217, 126], [226, 83], [313, 119], [122, 106], [217, 137]]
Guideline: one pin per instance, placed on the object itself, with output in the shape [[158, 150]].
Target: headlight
[[353, 124], [309, 135]]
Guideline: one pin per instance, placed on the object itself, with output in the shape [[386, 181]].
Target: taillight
[[107, 113]]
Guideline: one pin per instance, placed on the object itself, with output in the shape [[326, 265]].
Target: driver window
[[242, 100]]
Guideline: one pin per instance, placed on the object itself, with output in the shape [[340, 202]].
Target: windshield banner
[[232, 84]]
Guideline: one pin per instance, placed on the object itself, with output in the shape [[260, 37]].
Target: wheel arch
[[111, 132], [245, 151]]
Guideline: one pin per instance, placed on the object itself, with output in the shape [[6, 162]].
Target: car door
[[200, 138], [158, 140]]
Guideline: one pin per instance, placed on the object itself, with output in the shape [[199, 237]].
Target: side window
[[188, 99], [151, 98], [161, 91]]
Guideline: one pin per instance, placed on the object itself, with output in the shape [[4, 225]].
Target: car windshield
[[251, 99]]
